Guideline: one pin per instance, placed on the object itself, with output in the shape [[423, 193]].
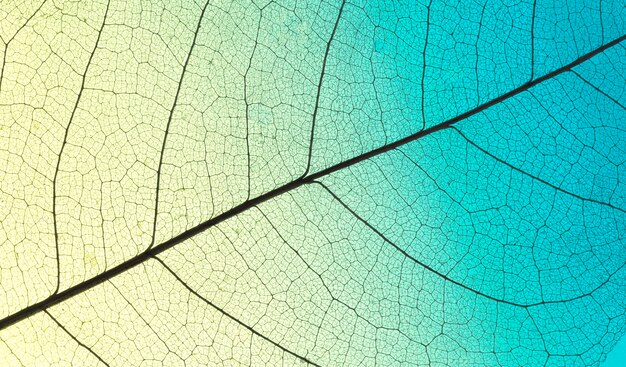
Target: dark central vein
[[128, 264]]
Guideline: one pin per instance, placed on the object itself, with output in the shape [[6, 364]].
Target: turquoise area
[[523, 205], [394, 68], [617, 357]]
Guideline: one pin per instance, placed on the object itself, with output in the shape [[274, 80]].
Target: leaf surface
[[325, 183]]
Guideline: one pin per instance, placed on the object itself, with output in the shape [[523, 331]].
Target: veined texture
[[431, 183]]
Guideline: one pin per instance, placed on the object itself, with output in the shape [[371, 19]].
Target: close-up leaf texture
[[293, 182]]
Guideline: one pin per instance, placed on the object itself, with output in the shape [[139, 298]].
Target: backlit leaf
[[312, 182]]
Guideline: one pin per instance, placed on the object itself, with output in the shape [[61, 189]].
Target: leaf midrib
[[152, 252]]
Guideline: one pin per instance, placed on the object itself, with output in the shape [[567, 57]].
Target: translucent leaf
[[312, 182]]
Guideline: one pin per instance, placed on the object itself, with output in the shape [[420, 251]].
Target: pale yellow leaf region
[[317, 182]]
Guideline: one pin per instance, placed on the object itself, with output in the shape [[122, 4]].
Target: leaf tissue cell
[[326, 183]]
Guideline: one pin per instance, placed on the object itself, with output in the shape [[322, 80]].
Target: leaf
[[326, 183]]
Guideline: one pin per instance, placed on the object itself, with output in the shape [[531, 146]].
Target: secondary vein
[[152, 252]]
